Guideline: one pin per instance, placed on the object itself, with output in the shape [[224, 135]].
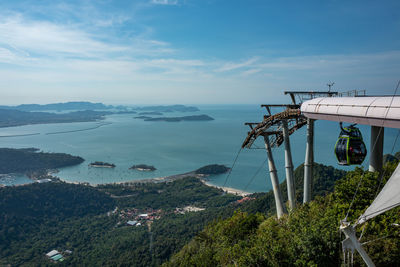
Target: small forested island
[[31, 160], [142, 117], [151, 113], [125, 112], [212, 169], [100, 164], [183, 118], [143, 167]]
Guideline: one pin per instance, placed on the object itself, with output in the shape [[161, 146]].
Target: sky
[[194, 51]]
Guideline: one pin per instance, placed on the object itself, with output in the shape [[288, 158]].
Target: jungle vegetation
[[37, 218], [308, 236], [31, 159]]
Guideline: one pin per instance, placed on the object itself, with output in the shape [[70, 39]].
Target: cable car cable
[[258, 170], [233, 165], [255, 174], [376, 239]]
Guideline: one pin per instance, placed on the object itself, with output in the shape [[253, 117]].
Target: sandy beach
[[229, 190]]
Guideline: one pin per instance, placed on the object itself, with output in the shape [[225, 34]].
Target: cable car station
[[306, 107], [354, 108]]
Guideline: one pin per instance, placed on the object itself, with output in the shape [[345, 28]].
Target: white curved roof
[[382, 111]]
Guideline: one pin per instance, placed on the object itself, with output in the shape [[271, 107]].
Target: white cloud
[[6, 55], [22, 39], [44, 38], [164, 2], [111, 21], [233, 66], [250, 71]]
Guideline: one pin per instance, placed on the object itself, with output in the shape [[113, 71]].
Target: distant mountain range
[[171, 108], [10, 117], [59, 106], [177, 119], [83, 105], [83, 112]]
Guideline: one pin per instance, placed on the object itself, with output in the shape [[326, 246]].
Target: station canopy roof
[[382, 111]]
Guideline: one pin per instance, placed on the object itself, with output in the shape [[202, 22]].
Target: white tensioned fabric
[[387, 199]]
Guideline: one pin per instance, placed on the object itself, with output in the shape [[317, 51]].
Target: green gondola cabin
[[350, 148]]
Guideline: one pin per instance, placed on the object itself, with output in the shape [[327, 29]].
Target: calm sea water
[[175, 147]]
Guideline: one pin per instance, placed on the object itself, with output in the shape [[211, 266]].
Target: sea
[[176, 147]]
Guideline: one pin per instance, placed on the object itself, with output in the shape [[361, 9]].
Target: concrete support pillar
[[280, 208], [309, 161], [289, 167], [376, 148]]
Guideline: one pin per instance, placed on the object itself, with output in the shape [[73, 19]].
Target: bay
[[177, 147]]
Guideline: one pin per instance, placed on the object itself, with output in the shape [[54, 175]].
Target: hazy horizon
[[141, 104]]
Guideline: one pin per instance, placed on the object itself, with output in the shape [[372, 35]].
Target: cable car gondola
[[350, 148]]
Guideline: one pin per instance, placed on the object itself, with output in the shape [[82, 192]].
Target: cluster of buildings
[[136, 217], [41, 181], [56, 256], [245, 199], [187, 209]]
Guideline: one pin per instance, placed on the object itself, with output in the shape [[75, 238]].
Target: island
[[125, 112], [26, 114], [100, 164], [201, 174], [151, 113], [170, 108], [212, 169], [143, 167], [183, 118], [142, 117]]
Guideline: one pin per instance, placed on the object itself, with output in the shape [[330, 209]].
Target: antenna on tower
[[330, 84]]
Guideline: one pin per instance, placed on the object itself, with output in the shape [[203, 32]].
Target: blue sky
[[194, 52]]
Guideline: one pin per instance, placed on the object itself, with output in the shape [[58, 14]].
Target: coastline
[[50, 175], [226, 189], [201, 177]]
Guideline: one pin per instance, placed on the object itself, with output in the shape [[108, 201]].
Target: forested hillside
[[309, 236], [11, 117], [30, 159], [37, 218], [33, 218]]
